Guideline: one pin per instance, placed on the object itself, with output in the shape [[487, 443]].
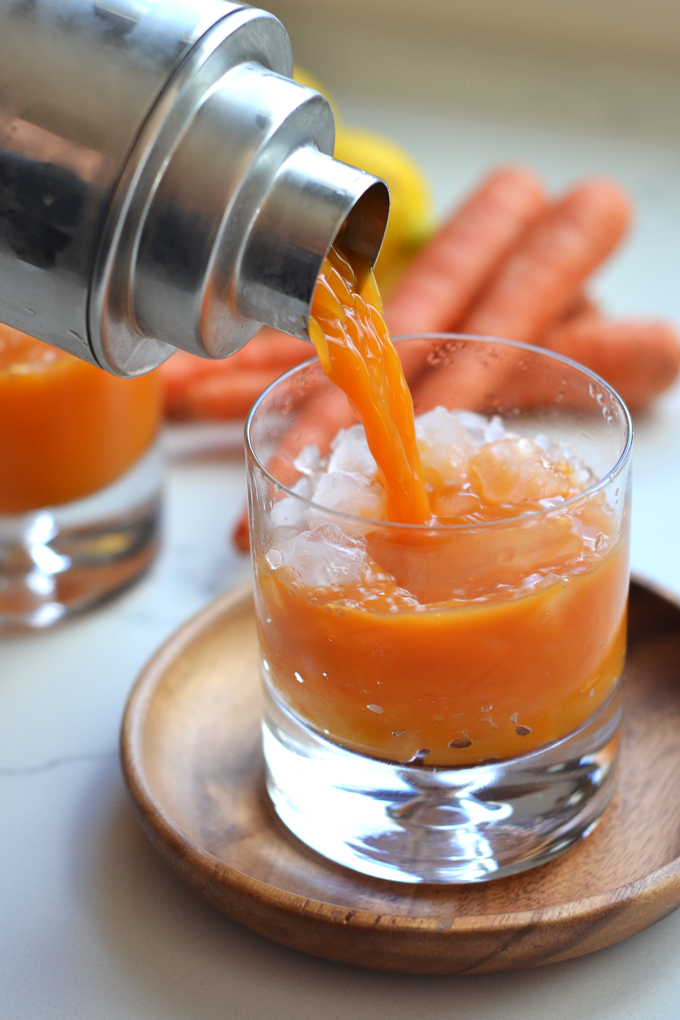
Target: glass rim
[[588, 493]]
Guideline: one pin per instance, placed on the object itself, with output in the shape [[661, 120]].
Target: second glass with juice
[[80, 481]]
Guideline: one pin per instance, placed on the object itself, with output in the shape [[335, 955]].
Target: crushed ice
[[325, 557], [347, 492], [350, 452], [445, 444], [459, 449]]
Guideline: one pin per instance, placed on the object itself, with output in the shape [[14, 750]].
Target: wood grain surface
[[192, 761]]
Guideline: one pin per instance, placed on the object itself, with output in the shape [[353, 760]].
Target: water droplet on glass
[[522, 731], [398, 733], [298, 678], [274, 559], [513, 717], [375, 708]]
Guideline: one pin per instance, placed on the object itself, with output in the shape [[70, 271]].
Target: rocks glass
[[443, 704], [80, 479]]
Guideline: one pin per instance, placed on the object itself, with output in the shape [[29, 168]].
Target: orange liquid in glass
[[490, 674], [68, 428]]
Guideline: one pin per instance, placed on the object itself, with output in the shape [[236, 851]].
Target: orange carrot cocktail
[[79, 490], [441, 598], [70, 428]]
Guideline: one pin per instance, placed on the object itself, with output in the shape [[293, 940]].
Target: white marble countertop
[[94, 923]]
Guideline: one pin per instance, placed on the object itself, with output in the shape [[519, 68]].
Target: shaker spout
[[312, 198]]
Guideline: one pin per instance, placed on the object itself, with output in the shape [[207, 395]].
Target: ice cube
[[347, 492], [475, 425], [303, 487], [350, 452], [308, 460], [567, 461], [274, 558], [495, 430], [471, 419], [290, 512], [326, 557], [445, 446], [452, 503], [516, 471]]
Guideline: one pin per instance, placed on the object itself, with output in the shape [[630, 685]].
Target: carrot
[[176, 376], [196, 387], [638, 359], [270, 347], [224, 396], [544, 276], [456, 265], [241, 534], [581, 307], [540, 283]]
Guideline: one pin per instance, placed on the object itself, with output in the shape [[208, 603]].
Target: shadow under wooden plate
[[192, 761]]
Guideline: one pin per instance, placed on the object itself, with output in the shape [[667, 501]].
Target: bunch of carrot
[[507, 263], [199, 389], [510, 263]]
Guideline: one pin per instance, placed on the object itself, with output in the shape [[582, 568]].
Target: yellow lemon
[[305, 78], [411, 220]]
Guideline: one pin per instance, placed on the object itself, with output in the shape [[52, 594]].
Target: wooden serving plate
[[192, 761]]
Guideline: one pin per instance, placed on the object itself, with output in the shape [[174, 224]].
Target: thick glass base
[[409, 823], [61, 560]]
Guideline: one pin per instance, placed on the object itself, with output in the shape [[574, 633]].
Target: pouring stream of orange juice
[[357, 354]]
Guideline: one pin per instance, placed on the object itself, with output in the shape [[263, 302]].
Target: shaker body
[[163, 182], [77, 79]]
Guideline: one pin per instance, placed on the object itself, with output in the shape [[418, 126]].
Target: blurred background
[[633, 26], [589, 87]]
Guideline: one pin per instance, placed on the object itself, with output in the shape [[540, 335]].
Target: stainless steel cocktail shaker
[[163, 181]]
